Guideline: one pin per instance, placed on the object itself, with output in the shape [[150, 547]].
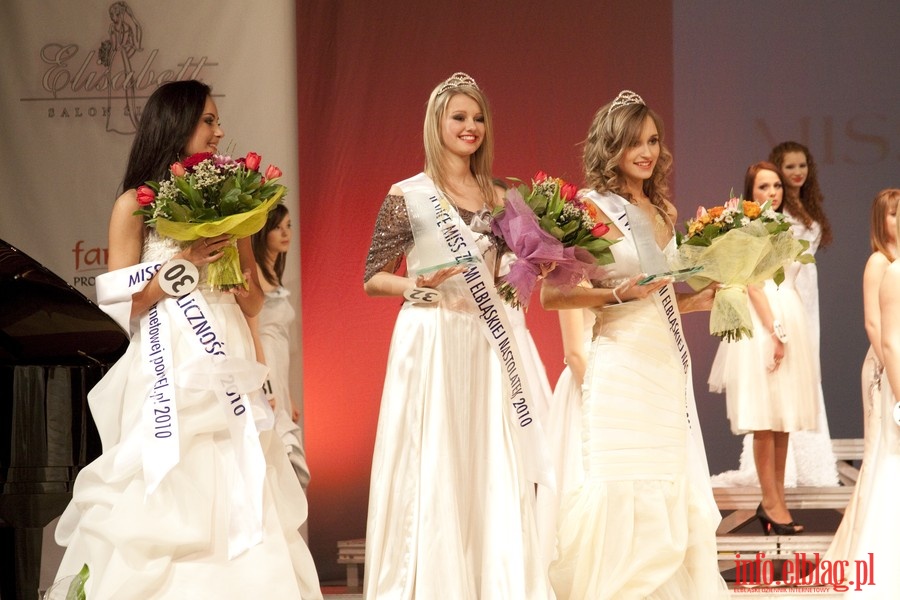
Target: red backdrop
[[365, 72]]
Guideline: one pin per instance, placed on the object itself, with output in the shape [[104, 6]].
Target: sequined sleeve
[[392, 237]]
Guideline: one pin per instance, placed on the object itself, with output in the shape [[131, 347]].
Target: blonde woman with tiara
[[451, 498], [643, 522]]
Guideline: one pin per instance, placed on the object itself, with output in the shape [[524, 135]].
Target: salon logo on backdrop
[[107, 80]]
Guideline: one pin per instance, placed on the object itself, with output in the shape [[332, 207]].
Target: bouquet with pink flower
[[739, 243], [549, 225], [208, 195]]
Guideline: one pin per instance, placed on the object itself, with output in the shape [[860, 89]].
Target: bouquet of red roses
[[548, 224], [208, 195]]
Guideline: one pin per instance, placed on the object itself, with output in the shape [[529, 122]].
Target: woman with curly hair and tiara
[[451, 494], [643, 522]]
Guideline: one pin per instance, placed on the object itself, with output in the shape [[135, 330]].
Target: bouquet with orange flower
[[738, 244], [548, 224], [207, 195]]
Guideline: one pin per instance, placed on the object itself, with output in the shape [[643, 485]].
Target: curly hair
[[879, 236], [610, 135], [810, 195]]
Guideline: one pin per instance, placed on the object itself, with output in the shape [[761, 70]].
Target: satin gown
[[451, 514], [875, 527], [854, 515], [563, 429], [174, 544], [643, 523]]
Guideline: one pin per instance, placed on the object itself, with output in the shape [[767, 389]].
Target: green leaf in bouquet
[[269, 189], [550, 226], [248, 201], [568, 228], [230, 203], [177, 212], [778, 278], [188, 189], [76, 588], [599, 247], [538, 203], [227, 185]]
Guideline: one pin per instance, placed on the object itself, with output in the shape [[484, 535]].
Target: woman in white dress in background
[[451, 508], [771, 378], [273, 330], [810, 452], [643, 522], [883, 235], [876, 527], [810, 460]]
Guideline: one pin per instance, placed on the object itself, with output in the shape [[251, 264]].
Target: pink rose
[[252, 161], [600, 229], [701, 212], [177, 169], [145, 195], [195, 159], [540, 176], [568, 191], [273, 172]]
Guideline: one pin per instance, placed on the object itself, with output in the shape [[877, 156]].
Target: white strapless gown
[[643, 523]]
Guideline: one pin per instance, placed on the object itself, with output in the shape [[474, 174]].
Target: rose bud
[[145, 195], [568, 191], [540, 176], [600, 229], [177, 169], [273, 172], [252, 161]]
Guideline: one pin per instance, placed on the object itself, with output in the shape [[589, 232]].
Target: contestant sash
[[637, 229], [157, 444], [439, 234], [233, 380]]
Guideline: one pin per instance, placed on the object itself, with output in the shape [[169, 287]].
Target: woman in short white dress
[[770, 379]]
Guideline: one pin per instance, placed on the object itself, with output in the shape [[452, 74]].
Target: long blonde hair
[[879, 236], [481, 161], [611, 133]]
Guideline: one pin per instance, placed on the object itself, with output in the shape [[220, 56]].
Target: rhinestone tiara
[[625, 98], [458, 79]]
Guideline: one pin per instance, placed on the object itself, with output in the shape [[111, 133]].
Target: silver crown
[[625, 98], [458, 79]]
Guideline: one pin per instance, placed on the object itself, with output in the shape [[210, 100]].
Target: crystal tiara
[[458, 79], [625, 98]]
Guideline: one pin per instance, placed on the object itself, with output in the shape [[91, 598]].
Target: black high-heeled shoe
[[769, 525]]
